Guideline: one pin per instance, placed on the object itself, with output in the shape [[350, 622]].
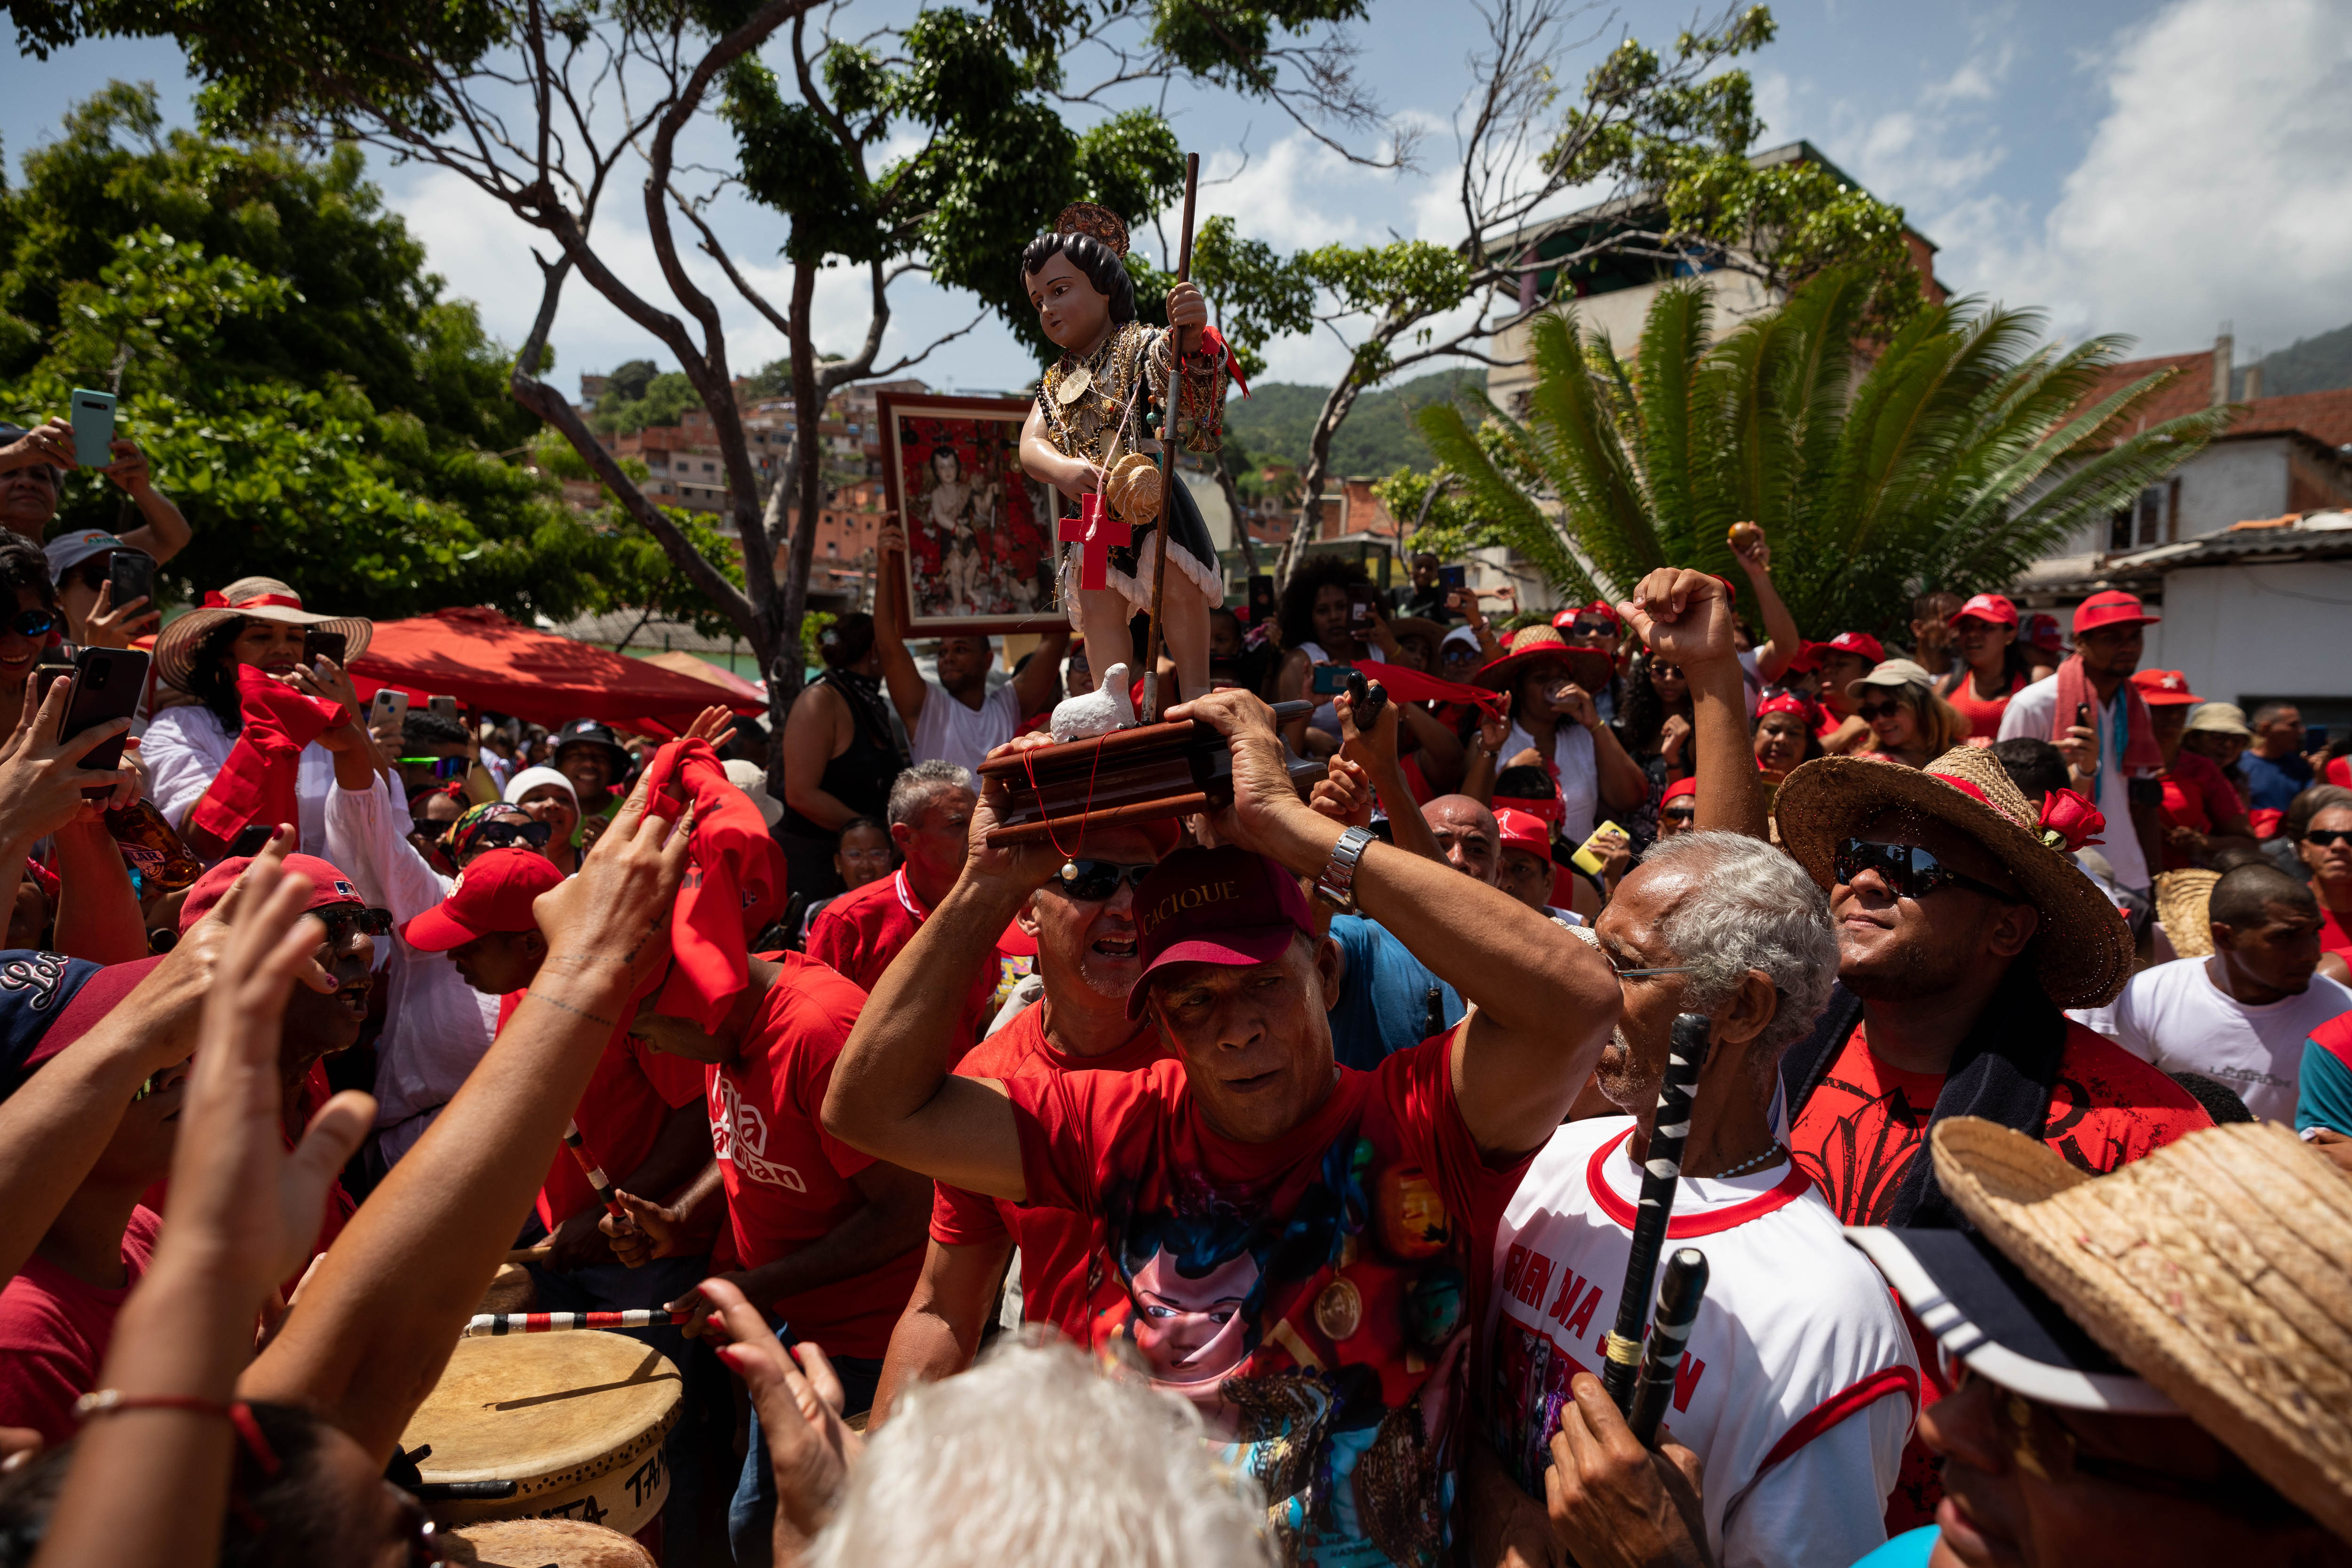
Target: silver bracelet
[[1337, 885]]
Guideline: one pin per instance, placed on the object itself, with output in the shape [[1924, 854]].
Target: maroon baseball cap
[[1861, 643], [329, 885], [493, 893], [1993, 608], [97, 998], [2112, 608], [1215, 906]]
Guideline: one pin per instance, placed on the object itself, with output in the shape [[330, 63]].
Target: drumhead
[[548, 1412], [552, 1543]]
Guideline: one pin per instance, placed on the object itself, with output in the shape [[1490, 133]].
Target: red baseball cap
[[493, 893], [1680, 787], [1215, 906], [2112, 608], [328, 886], [2041, 631], [1993, 608], [1521, 831], [1861, 643], [2164, 688], [1601, 607]]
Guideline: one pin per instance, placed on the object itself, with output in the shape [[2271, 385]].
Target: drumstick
[[597, 1181], [496, 1323], [1679, 1294], [1660, 1174]]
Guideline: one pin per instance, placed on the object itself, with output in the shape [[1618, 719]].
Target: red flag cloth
[[2140, 749], [257, 782], [734, 882]]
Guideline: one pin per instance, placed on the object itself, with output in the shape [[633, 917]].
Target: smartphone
[[2315, 737], [93, 427], [1362, 597], [108, 684], [1451, 577], [445, 706], [250, 840], [388, 704], [1260, 600], [132, 574], [1587, 861], [56, 664], [318, 643], [2083, 716], [1331, 680]]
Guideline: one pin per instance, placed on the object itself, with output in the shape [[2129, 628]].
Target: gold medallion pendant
[[1074, 386]]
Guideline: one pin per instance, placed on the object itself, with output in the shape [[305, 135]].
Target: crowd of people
[[1261, 1183]]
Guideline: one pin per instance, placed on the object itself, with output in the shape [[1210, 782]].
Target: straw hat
[[2084, 949], [1587, 667], [2181, 900], [247, 598], [2219, 1269]]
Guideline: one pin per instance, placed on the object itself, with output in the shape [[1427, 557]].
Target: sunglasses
[[1665, 672], [2326, 837], [1592, 629], [1908, 871], [1680, 813], [443, 767], [1092, 881], [1872, 712], [35, 623], [92, 572], [505, 835], [342, 920]]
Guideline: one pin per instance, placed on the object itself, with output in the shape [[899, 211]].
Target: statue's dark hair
[[1091, 256]]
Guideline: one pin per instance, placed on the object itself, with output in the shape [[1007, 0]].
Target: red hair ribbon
[[216, 600]]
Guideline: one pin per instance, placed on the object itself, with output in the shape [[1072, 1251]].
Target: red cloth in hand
[[257, 782], [734, 882], [2140, 749]]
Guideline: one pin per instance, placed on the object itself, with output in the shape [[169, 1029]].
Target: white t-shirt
[[2174, 1017], [2029, 714], [1579, 775], [949, 730], [184, 749], [1800, 1384]]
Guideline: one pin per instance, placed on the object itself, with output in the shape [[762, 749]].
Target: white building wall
[[2232, 481], [2246, 633]]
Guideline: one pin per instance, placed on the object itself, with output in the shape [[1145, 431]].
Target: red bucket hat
[[1222, 906]]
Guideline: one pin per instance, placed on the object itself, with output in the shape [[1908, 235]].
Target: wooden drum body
[[548, 1426]]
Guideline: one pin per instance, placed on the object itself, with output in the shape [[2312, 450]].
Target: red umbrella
[[485, 660]]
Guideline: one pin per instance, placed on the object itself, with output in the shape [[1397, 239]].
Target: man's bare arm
[[938, 1334]]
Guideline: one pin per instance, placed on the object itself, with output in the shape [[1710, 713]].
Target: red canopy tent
[[488, 661]]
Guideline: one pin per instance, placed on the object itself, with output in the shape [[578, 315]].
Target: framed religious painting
[[979, 533]]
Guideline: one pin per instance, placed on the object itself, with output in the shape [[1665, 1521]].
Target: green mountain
[[1275, 422], [2312, 365]]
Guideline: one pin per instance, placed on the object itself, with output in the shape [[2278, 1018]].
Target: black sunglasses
[[1908, 871], [93, 572], [443, 767], [1872, 712], [1680, 813], [342, 920], [2326, 837], [1092, 881], [504, 835], [35, 623], [1591, 629]]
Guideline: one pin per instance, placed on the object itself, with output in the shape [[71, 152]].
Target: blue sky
[[2149, 169]]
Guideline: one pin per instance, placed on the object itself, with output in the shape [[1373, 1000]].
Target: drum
[[549, 1544], [548, 1426]]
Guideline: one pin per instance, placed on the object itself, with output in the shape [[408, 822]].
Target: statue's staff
[[1149, 714]]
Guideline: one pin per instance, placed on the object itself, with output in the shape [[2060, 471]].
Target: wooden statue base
[[1148, 774]]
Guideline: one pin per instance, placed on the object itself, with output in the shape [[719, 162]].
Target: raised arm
[[1684, 617], [1546, 1002], [905, 683], [376, 1322], [1781, 638], [1376, 754]]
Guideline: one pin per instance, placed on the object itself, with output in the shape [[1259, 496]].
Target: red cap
[[1521, 831], [2164, 688], [1789, 702], [328, 886], [1601, 607], [82, 1010], [2041, 631], [1680, 788], [1807, 658], [2112, 608], [1993, 608], [494, 893], [1861, 643], [1215, 906]]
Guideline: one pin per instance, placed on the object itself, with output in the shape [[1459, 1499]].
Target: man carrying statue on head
[[1086, 437]]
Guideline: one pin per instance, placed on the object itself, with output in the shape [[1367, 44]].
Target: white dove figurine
[[1098, 712]]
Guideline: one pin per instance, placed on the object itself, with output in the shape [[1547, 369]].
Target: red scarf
[[2140, 749], [256, 784], [734, 882]]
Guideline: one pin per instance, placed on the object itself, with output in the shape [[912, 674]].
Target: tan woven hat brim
[[2216, 1267], [2084, 950], [2184, 904], [175, 645]]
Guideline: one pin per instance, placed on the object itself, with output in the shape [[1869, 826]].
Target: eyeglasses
[[2326, 837], [443, 767], [2042, 1445], [505, 835], [1093, 881], [1872, 712], [35, 623], [1908, 871]]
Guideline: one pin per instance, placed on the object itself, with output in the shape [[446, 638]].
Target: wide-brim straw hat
[[247, 598], [2219, 1268], [2084, 949], [1587, 667], [2184, 904]]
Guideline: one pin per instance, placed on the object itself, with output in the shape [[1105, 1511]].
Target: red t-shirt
[[2196, 793], [1056, 1245], [1983, 716], [860, 933], [2334, 937], [2337, 772], [1315, 1296], [788, 1180], [54, 1331]]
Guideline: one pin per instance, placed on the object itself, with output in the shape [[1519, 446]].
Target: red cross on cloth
[[1097, 530]]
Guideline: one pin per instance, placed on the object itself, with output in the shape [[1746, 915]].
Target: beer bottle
[[151, 848]]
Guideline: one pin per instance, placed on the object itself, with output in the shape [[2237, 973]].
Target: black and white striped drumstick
[[1660, 1174], [598, 1182], [496, 1323], [1680, 1290]]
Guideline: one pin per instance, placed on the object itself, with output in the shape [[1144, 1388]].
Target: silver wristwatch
[[1337, 885]]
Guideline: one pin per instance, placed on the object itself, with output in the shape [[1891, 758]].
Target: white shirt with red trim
[[1799, 1386]]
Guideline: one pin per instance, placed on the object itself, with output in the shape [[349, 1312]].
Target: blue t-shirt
[[1910, 1549], [2323, 1092], [1383, 1004], [2275, 785]]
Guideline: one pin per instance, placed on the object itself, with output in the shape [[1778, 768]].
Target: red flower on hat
[[2069, 822]]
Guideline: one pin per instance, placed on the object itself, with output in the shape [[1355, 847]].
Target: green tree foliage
[[1965, 451], [660, 399], [1277, 419]]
